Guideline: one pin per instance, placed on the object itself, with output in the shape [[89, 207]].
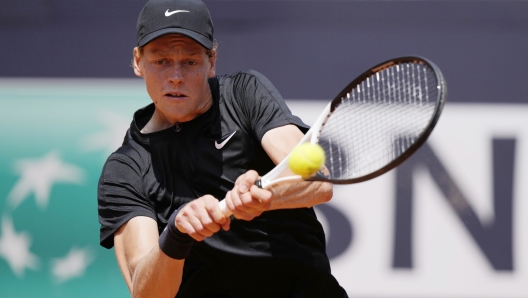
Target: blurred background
[[450, 222]]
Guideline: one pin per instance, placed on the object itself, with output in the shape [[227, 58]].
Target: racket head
[[407, 91]]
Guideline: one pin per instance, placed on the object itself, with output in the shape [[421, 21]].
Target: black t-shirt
[[154, 174]]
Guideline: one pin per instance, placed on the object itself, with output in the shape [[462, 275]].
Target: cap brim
[[203, 40]]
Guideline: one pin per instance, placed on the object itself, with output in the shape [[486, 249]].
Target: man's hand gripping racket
[[373, 125]]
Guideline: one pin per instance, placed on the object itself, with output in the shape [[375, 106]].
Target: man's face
[[176, 69]]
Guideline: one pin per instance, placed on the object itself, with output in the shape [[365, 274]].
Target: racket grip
[[259, 183], [224, 209]]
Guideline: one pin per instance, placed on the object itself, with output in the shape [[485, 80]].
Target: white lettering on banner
[[449, 222]]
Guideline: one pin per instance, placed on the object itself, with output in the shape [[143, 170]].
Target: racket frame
[[440, 102]]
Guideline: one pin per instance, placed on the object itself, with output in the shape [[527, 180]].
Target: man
[[203, 139]]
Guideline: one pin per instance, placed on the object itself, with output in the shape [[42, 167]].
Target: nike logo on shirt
[[169, 13], [221, 145]]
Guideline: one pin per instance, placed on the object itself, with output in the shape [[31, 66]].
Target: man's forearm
[[300, 195], [157, 275]]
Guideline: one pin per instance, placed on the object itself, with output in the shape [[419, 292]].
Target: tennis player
[[207, 138]]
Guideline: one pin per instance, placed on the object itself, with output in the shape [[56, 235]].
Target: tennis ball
[[306, 159]]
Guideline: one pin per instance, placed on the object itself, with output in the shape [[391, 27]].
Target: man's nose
[[176, 73]]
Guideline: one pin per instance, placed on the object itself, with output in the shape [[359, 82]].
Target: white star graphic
[[15, 249], [72, 265], [111, 138], [39, 175]]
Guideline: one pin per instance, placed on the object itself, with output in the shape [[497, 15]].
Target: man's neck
[[158, 121]]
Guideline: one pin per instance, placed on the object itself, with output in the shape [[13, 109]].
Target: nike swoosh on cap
[[169, 13], [221, 145]]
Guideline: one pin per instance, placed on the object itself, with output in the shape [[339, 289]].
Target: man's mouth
[[176, 95]]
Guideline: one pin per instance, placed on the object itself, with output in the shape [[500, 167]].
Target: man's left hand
[[246, 200]]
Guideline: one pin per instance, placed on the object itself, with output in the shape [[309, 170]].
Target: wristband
[[174, 243]]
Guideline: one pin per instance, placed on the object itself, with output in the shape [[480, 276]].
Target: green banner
[[55, 137]]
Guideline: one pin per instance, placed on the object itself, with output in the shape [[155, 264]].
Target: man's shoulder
[[245, 85], [130, 153], [241, 76]]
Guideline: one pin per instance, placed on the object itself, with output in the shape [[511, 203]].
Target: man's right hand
[[201, 218]]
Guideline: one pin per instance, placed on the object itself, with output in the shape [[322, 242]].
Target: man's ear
[[212, 62], [135, 62]]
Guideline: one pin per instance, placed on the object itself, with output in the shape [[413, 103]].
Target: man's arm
[[247, 201], [147, 270]]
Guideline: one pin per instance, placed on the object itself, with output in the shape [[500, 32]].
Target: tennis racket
[[373, 125]]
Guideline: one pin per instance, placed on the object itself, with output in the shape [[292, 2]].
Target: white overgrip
[[224, 209]]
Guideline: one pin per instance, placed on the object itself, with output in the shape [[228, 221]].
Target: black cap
[[188, 17]]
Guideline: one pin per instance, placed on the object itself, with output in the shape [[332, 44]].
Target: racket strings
[[378, 120]]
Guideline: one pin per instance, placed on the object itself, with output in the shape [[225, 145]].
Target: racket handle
[[259, 183], [224, 209]]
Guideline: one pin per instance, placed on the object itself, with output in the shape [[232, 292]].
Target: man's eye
[[191, 62], [160, 62]]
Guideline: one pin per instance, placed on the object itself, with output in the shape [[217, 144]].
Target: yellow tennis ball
[[306, 159]]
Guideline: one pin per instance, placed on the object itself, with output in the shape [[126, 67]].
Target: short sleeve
[[120, 196], [263, 105]]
